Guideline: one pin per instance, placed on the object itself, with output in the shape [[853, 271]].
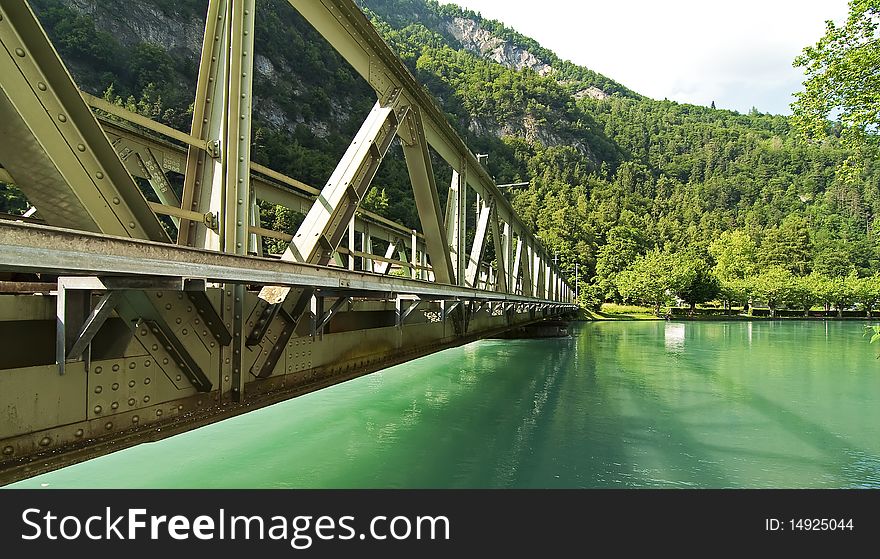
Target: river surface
[[618, 404]]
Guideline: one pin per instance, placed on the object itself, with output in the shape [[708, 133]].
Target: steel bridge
[[118, 329]]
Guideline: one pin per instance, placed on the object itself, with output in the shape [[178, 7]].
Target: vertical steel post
[[351, 236], [203, 179], [461, 215]]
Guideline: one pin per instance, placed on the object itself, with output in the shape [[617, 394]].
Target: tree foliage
[[648, 279], [843, 82]]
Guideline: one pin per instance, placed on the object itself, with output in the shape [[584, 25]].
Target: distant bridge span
[[124, 319]]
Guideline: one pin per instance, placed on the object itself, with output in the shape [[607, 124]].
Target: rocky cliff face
[[591, 92], [478, 40], [180, 32], [134, 21], [281, 84]]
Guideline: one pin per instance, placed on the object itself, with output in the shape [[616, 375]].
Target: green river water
[[617, 404]]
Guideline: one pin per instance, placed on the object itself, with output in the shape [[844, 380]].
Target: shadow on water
[[557, 453], [835, 459], [840, 454]]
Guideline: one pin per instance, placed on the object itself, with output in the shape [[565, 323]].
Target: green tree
[[376, 201], [843, 292], [834, 260], [692, 280], [620, 250], [839, 292], [12, 201], [734, 253], [736, 291], [648, 279], [773, 286], [866, 292], [843, 81], [803, 293], [788, 246]]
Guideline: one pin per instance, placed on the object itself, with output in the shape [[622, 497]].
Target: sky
[[738, 54]]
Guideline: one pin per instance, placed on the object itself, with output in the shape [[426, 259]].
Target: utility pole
[[575, 282]]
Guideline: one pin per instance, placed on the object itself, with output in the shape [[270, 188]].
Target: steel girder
[[127, 324], [54, 147]]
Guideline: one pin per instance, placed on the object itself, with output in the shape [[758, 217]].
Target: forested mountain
[[613, 174]]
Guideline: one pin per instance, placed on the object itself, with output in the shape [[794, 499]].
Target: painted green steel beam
[[38, 248], [418, 162], [349, 31], [53, 146]]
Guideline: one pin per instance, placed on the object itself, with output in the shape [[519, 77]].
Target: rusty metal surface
[[7, 287]]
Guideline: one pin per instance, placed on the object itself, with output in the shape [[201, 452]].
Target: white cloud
[[736, 54]]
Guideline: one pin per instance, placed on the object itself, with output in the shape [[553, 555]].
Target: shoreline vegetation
[[612, 311]]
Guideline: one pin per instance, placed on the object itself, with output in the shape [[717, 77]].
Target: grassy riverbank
[[613, 311]]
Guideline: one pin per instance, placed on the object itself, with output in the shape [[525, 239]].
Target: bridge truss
[[116, 332]]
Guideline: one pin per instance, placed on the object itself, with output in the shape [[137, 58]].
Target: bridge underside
[[139, 297]]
